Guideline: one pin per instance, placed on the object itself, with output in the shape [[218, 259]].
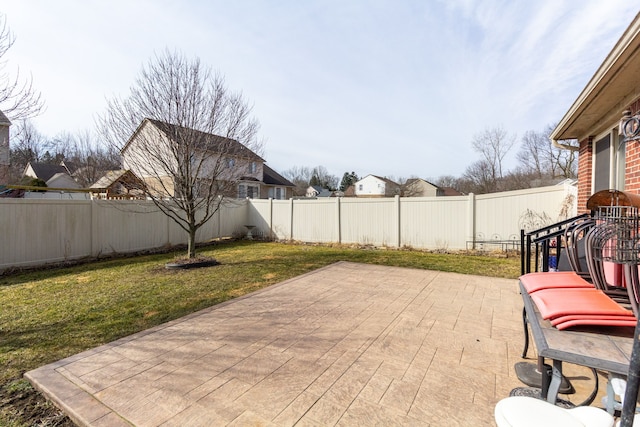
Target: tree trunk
[[191, 248]]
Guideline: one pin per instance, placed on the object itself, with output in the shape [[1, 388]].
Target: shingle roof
[[271, 177], [108, 179], [45, 171], [4, 120], [387, 180], [202, 140], [410, 180]]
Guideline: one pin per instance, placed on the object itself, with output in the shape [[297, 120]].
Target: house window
[[359, 187], [621, 163], [253, 167], [231, 162], [247, 190], [277, 193], [609, 162]]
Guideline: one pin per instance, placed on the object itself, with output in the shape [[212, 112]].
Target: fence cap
[[613, 198]]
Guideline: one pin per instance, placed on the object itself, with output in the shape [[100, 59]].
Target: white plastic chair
[[522, 411]]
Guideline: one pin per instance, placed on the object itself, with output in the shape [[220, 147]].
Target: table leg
[[556, 379]]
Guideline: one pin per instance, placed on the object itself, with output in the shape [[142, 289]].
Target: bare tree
[[534, 154], [479, 178], [320, 176], [444, 181], [300, 176], [493, 144], [28, 145], [86, 159], [407, 187], [18, 98], [538, 156], [190, 138]]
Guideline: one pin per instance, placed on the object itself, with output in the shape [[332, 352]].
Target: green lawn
[[50, 314]]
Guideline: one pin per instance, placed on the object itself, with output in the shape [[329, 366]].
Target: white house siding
[[146, 159], [370, 186], [148, 156], [62, 180]]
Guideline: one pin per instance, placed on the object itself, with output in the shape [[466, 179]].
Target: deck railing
[[538, 244]]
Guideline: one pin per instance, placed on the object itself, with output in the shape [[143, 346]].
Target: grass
[[47, 315]]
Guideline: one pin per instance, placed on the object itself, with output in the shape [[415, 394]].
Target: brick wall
[[584, 173], [632, 159], [632, 169], [585, 165]]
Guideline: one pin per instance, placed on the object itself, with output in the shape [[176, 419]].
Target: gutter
[[556, 143]]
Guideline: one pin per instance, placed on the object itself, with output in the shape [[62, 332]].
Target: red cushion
[[598, 322], [553, 303], [534, 282], [562, 319]]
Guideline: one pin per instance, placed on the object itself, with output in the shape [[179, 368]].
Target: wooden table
[[603, 348]]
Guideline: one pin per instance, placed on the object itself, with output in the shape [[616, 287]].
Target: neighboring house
[[275, 186], [450, 191], [255, 182], [317, 191], [375, 186], [350, 191], [71, 167], [4, 148], [62, 180], [55, 176], [418, 187], [117, 184], [606, 159]]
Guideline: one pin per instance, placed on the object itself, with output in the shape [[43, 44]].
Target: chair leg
[[526, 333]]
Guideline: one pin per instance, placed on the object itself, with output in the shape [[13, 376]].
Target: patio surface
[[348, 344]]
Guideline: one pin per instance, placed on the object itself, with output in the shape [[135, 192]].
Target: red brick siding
[[632, 169], [585, 165], [632, 159]]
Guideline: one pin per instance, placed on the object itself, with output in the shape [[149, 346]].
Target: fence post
[[291, 219], [338, 225], [271, 218], [397, 211], [93, 229], [471, 220]]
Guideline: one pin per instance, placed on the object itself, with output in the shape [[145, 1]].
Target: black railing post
[[523, 252]]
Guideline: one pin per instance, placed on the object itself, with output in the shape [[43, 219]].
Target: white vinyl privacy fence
[[462, 222], [37, 232]]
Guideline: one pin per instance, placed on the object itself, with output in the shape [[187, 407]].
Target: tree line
[[539, 163], [87, 158]]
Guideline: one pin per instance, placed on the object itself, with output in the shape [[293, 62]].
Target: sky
[[395, 88]]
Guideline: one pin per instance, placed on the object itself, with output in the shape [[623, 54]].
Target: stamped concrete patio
[[348, 344]]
